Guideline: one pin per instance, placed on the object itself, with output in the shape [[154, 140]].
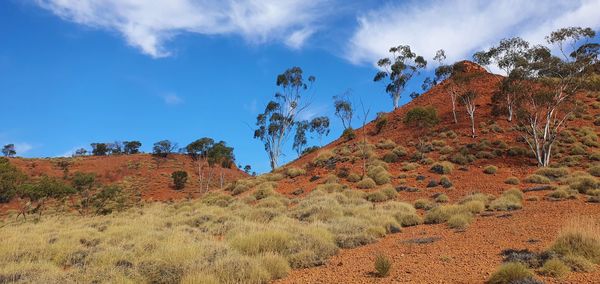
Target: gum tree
[[506, 56], [320, 126], [275, 124], [554, 80], [398, 70], [468, 100], [344, 109], [9, 150]]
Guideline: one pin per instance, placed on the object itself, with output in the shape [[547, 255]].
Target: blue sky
[[73, 72]]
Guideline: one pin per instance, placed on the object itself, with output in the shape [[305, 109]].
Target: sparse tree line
[[80, 192], [535, 93]]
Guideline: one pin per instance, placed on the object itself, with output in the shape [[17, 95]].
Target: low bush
[[445, 182], [409, 166], [422, 117], [553, 173], [442, 198], [446, 150], [459, 221], [322, 157], [490, 170], [294, 172], [423, 204], [594, 170], [509, 200], [366, 183], [383, 265], [579, 238], [578, 263], [442, 168], [386, 144], [583, 183], [512, 180], [390, 157], [348, 134], [379, 174], [554, 268], [399, 151], [462, 159], [538, 179], [353, 177], [512, 272], [442, 213], [276, 265], [179, 179]]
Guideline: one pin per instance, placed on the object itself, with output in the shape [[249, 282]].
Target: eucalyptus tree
[[320, 126], [275, 124], [468, 100], [300, 139], [545, 108], [506, 56], [344, 109], [398, 69], [9, 150]]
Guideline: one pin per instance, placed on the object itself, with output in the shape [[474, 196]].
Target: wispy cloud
[[462, 26], [148, 24], [172, 99], [20, 147]]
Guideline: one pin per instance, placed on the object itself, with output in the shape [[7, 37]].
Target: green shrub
[[366, 183], [380, 122], [445, 182], [474, 206], [294, 172], [555, 268], [423, 204], [517, 151], [383, 265], [595, 156], [558, 194], [160, 272], [179, 179], [386, 144], [377, 196], [553, 173], [399, 151], [353, 177], [442, 168], [537, 179], [408, 220], [276, 265], [512, 180], [511, 272], [579, 239], [390, 157], [509, 200], [446, 150], [490, 170], [268, 241], [578, 263], [422, 117], [322, 157], [578, 149], [442, 198], [442, 213], [348, 134], [594, 170], [409, 166], [239, 269], [583, 183], [462, 159], [459, 221], [379, 174], [485, 155]]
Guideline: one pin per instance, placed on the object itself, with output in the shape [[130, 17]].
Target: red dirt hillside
[[456, 256], [150, 175]]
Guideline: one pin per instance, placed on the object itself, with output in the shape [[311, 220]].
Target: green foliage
[[294, 172], [442, 168], [539, 179], [380, 122], [490, 170], [511, 272], [348, 134], [555, 268], [10, 178], [383, 265], [200, 147], [9, 150], [99, 149], [512, 180], [179, 179], [422, 117], [131, 147], [366, 183], [553, 173], [163, 148]]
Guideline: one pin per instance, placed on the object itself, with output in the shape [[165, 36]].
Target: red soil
[[152, 176], [458, 257]]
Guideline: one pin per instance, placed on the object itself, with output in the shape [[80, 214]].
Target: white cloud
[[148, 24], [462, 27], [172, 99]]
